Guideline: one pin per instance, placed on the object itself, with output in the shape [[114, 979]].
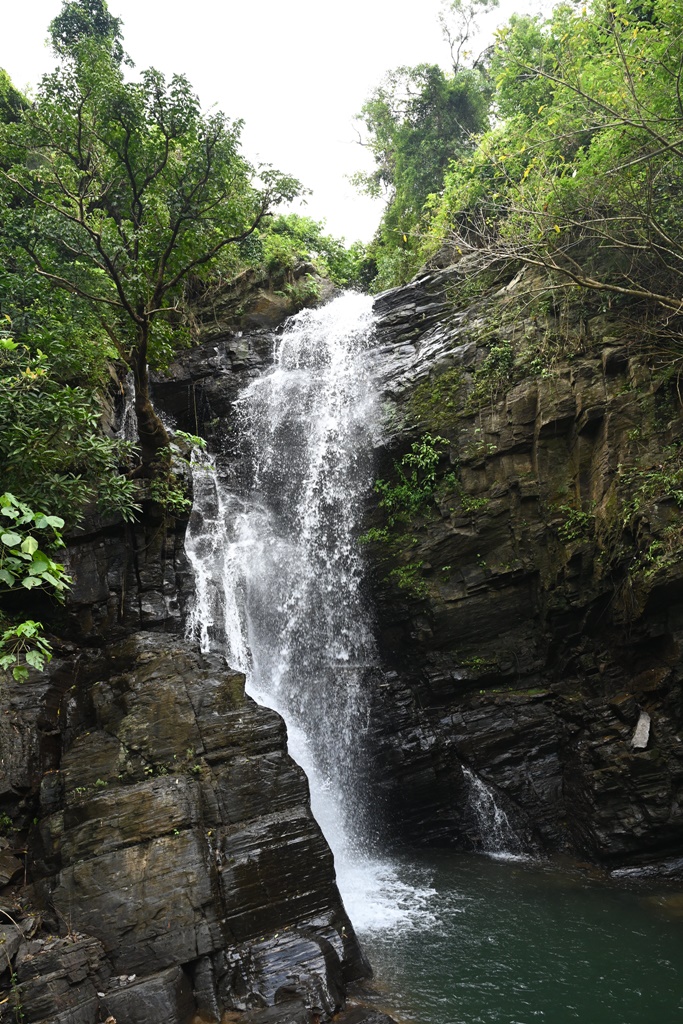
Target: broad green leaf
[[20, 673], [36, 659], [30, 582], [10, 540], [29, 545], [53, 580], [7, 577], [55, 521], [28, 628], [38, 566]]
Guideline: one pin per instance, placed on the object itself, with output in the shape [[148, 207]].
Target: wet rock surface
[[524, 632], [237, 333], [174, 843]]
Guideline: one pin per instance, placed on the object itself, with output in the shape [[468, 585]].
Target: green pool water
[[500, 942]]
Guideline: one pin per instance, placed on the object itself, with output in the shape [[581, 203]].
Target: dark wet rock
[[166, 996], [236, 337], [126, 577], [527, 655], [10, 867], [176, 834], [58, 980]]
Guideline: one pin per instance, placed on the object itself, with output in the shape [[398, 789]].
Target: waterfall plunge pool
[[490, 941]]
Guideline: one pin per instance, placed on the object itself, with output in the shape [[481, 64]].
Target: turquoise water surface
[[505, 942]]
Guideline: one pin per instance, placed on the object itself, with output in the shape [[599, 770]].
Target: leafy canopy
[[118, 191], [583, 175], [415, 123]]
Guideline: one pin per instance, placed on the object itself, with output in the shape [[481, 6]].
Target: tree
[[11, 101], [119, 191], [290, 239], [584, 178], [86, 19], [415, 124]]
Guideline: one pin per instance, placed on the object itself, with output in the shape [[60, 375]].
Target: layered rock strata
[[531, 617], [175, 846]]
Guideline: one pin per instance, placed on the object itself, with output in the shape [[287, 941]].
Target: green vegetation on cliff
[[119, 191], [417, 121], [120, 200], [580, 171]]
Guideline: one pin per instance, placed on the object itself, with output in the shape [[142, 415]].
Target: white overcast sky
[[296, 71]]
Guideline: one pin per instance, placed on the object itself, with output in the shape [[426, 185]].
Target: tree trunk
[[152, 433]]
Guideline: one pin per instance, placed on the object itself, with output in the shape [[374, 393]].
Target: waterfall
[[279, 573], [128, 427], [498, 837], [279, 579], [278, 570]]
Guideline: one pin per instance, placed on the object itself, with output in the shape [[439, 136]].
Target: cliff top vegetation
[[574, 165]]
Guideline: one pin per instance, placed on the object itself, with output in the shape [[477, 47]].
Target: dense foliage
[[118, 196], [417, 121], [583, 174], [119, 190], [24, 565], [290, 239], [115, 193], [580, 172]]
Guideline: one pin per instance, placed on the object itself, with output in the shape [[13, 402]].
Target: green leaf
[[30, 582], [28, 628], [6, 660], [56, 521], [36, 659], [42, 521], [10, 540], [20, 673], [38, 566], [53, 580], [29, 545], [7, 577]]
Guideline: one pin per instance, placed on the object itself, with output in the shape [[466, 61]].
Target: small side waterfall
[[279, 572], [498, 837]]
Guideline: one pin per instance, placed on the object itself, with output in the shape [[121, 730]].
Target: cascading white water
[[279, 574], [498, 837]]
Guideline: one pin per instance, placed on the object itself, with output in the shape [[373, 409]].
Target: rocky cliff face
[[530, 613]]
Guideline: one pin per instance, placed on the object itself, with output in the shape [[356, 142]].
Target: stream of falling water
[[279, 573]]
